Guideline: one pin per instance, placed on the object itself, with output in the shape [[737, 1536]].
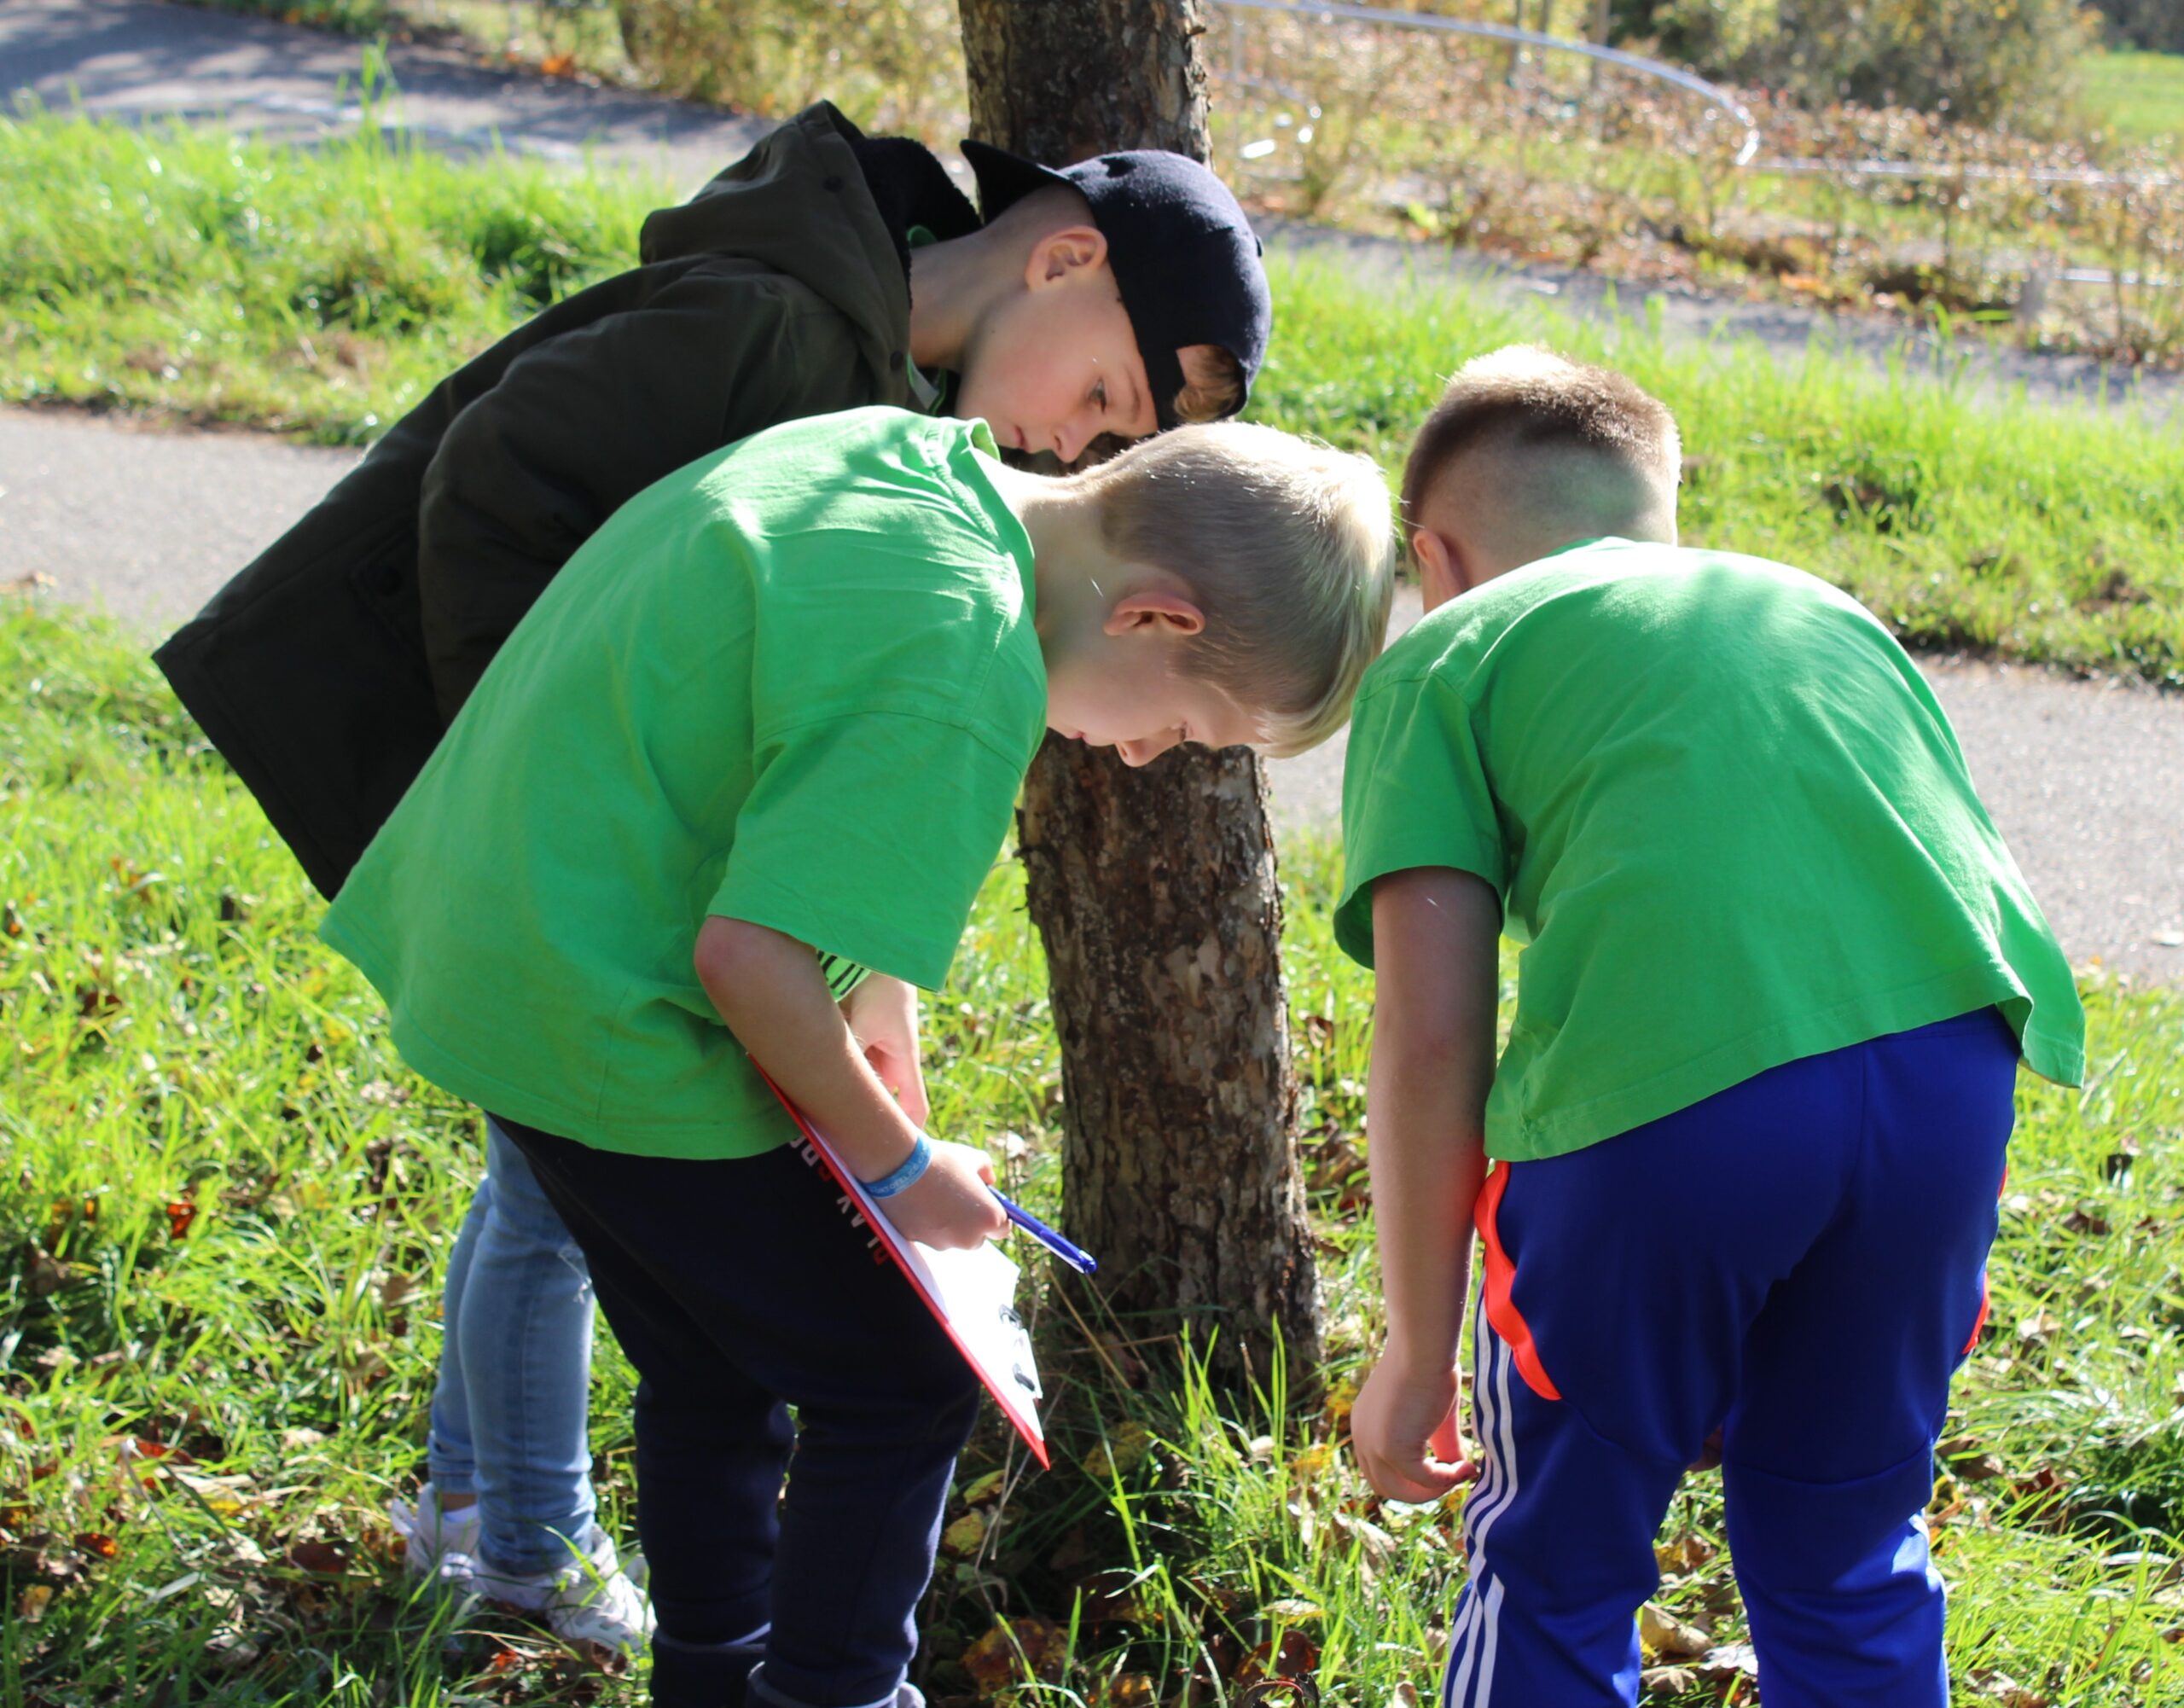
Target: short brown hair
[[1523, 397], [1213, 384]]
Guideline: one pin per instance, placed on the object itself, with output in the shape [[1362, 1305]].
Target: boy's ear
[[1153, 613], [1058, 254], [1440, 574]]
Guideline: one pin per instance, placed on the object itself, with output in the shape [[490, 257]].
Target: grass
[[2136, 97], [199, 276], [196, 274], [226, 1206]]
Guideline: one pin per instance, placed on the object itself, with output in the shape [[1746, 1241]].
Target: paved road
[[2086, 781], [138, 60]]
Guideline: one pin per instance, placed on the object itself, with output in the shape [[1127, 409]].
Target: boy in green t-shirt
[[1748, 1128], [826, 271], [782, 703]]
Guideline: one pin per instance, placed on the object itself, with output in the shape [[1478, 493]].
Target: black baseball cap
[[1185, 257]]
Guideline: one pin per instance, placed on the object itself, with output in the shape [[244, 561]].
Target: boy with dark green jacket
[[826, 271]]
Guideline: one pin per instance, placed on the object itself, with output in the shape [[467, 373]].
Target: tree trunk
[[1154, 889]]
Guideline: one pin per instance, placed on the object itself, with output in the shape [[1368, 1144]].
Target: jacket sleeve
[[584, 422]]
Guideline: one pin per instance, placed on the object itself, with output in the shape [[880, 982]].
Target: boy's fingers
[[1413, 1483]]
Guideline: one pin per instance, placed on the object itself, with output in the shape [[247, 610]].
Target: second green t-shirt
[[795, 682], [1726, 817]]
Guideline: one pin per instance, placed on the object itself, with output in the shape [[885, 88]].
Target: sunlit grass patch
[[189, 271], [225, 1206]]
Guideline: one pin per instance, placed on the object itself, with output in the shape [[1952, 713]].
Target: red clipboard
[[1005, 1369]]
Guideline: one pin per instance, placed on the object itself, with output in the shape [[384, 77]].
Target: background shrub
[[1985, 60], [895, 66]]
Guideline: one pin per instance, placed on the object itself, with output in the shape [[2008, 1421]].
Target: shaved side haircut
[[1533, 408]]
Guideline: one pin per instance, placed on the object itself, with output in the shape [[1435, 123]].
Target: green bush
[[1983, 60]]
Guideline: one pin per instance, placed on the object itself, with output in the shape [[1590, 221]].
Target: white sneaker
[[429, 1536], [593, 1599]]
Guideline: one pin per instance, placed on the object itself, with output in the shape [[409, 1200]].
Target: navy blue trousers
[[1799, 1262], [735, 1286]]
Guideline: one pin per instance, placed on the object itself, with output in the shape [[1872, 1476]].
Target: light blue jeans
[[508, 1414]]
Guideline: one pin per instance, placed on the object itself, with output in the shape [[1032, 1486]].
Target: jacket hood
[[798, 205]]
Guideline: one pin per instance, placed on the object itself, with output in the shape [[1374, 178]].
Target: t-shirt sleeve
[[1414, 793], [867, 836]]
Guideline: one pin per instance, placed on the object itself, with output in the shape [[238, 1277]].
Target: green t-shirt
[[1726, 818], [795, 682]]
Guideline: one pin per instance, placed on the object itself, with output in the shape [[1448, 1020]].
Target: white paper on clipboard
[[972, 1294]]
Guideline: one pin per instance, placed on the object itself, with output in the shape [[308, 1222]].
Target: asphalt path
[[138, 60], [2086, 780]]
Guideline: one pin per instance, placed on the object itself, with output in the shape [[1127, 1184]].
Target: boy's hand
[[950, 1207], [882, 1014], [1400, 1427]]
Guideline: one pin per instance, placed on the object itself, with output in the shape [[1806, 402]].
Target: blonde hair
[[1288, 547], [1525, 398]]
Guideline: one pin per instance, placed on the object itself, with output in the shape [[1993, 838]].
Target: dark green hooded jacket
[[326, 670]]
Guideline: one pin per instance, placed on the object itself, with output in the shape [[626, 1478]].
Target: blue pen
[[1046, 1237]]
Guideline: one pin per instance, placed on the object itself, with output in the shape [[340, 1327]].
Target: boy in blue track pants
[[1749, 1130]]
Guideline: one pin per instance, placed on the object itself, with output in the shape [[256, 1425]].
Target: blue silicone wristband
[[912, 1171]]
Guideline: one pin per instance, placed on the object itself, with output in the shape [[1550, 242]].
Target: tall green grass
[[191, 273], [322, 292], [225, 1204]]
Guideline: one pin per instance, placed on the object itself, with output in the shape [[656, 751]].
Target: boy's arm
[[883, 1018], [1436, 933], [772, 994]]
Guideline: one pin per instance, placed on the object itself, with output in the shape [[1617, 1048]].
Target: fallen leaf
[[1124, 1451], [559, 65], [323, 1558], [180, 1214], [44, 1272], [232, 1651], [1111, 1598], [963, 1538], [1294, 1655], [30, 1604], [2042, 1327], [1004, 1655], [2001, 1687], [1668, 1681], [1668, 1637], [98, 1545], [1728, 1665], [1686, 1554], [987, 1488]]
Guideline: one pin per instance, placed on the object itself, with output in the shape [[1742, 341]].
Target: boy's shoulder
[[1599, 585], [878, 473]]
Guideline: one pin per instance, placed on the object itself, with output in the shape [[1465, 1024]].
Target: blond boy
[[777, 710]]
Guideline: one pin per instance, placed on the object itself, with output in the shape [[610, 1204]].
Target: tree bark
[[1154, 889]]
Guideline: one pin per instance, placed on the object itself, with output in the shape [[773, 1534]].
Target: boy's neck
[[1073, 574], [952, 284]]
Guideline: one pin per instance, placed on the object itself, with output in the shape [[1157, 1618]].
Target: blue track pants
[[1798, 1261]]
